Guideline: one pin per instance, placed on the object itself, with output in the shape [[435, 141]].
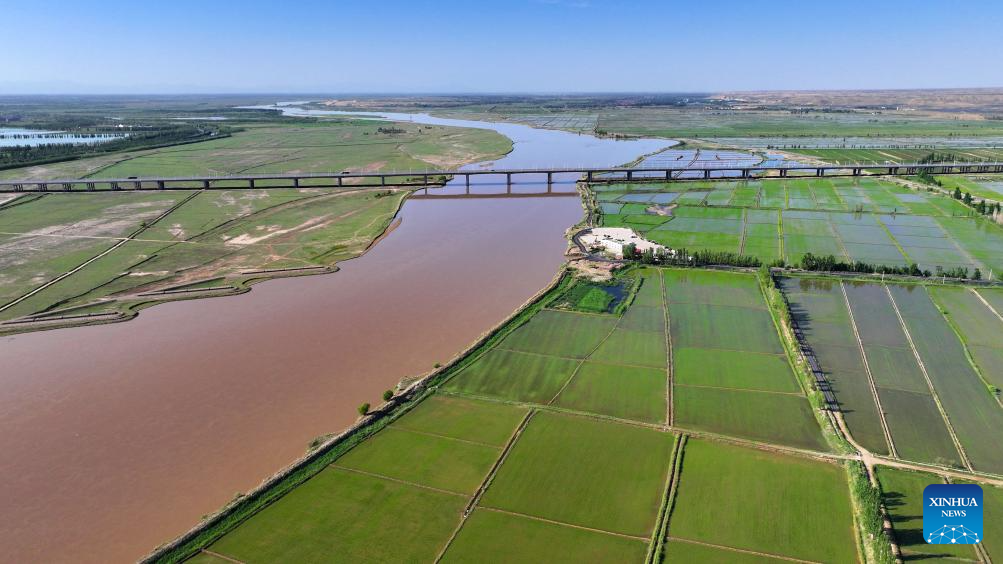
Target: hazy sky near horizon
[[188, 46]]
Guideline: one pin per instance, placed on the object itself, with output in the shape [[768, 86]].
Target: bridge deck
[[435, 177]]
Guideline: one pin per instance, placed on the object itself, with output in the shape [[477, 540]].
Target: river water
[[116, 438]]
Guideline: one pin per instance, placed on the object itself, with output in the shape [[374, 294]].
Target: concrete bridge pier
[[508, 182], [296, 182], [67, 186], [91, 187], [424, 180], [205, 184], [19, 187], [783, 173], [706, 174], [856, 172], [467, 178], [819, 172], [588, 176], [339, 181], [138, 185], [115, 186], [745, 173], [250, 183], [42, 186], [630, 175], [550, 180], [160, 185], [668, 174]]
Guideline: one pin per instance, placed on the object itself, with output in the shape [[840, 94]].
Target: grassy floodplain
[[176, 239], [527, 455], [864, 219]]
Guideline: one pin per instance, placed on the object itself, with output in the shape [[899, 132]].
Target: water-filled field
[[899, 371], [883, 155], [867, 220]]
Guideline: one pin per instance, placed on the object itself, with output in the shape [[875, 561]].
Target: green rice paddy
[[863, 219], [801, 507]]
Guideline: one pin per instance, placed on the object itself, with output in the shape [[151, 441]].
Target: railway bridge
[[507, 177]]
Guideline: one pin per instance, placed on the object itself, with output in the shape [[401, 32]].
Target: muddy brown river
[[117, 438]]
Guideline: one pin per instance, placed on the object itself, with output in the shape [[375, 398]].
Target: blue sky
[[181, 46]]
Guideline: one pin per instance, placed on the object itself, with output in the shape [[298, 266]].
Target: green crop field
[[585, 472], [561, 333], [717, 321], [361, 518], [515, 376], [604, 364], [902, 494], [864, 219], [627, 392], [422, 468], [491, 536], [801, 506]]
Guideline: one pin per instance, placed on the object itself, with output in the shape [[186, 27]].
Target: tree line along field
[[150, 241], [914, 367], [882, 155], [557, 443], [868, 220]]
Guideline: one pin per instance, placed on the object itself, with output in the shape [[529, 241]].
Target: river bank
[[231, 389]]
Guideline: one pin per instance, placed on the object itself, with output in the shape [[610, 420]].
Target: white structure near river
[[613, 239]]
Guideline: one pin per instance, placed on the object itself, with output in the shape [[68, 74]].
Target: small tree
[[387, 395], [957, 193], [977, 275], [364, 408]]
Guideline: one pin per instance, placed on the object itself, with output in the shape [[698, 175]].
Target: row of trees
[[686, 258], [810, 262], [829, 263], [51, 152]]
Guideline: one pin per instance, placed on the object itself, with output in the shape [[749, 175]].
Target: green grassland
[[902, 494], [212, 234], [801, 507]]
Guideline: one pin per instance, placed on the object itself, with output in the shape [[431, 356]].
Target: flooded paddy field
[[900, 370], [868, 219]]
